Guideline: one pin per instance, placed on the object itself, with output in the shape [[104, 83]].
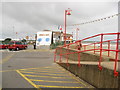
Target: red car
[[16, 45], [3, 46]]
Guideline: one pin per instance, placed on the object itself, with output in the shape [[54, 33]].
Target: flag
[[60, 27]]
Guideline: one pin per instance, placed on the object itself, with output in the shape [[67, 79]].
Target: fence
[[100, 49]]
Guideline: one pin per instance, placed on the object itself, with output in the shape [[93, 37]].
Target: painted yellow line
[[74, 77], [46, 71], [57, 86], [6, 59], [16, 69], [27, 79], [39, 68], [32, 68], [43, 73], [47, 76], [77, 80], [53, 81]]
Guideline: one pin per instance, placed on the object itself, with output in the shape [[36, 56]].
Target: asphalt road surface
[[35, 69]]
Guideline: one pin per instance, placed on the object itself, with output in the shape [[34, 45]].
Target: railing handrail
[[101, 49], [92, 37], [100, 42]]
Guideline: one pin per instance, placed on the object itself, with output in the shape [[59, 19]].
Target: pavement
[[35, 69]]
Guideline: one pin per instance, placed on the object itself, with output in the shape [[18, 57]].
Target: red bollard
[[108, 48]]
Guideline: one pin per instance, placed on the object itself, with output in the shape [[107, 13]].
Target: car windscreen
[[18, 43], [11, 43]]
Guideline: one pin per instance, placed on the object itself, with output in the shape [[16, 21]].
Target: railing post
[[84, 47], [116, 57], [94, 48], [67, 55], [108, 48], [60, 55], [99, 65]]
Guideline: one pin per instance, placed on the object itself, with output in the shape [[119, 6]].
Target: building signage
[[44, 38]]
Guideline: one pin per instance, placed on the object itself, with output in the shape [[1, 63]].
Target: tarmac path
[[36, 69]]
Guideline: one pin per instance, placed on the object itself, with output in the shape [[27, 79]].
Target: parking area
[[35, 69], [51, 77]]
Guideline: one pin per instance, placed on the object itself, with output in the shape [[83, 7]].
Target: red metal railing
[[100, 49]]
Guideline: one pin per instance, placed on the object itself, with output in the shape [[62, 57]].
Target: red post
[[67, 56], [116, 57], [84, 47], [94, 48], [108, 48], [99, 65], [67, 12], [60, 55], [65, 27]]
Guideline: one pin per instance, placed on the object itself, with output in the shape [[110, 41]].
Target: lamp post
[[67, 12]]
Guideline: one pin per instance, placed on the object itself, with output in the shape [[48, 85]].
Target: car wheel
[[17, 49], [25, 48], [10, 49]]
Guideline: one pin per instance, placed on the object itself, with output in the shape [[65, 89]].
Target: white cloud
[[59, 0], [30, 17]]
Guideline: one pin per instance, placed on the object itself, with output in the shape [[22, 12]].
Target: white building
[[47, 37], [44, 37]]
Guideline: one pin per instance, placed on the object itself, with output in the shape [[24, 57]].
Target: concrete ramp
[[89, 72], [88, 69]]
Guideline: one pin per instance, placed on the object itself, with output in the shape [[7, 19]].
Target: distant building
[[59, 37], [47, 37], [44, 37]]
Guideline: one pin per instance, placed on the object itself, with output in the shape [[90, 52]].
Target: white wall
[[44, 38]]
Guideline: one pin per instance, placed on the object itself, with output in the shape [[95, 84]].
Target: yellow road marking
[[6, 59], [57, 86], [27, 79], [47, 69], [43, 73], [34, 68], [17, 69], [53, 81], [74, 77], [46, 76]]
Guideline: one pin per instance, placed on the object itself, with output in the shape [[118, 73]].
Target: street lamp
[[67, 12]]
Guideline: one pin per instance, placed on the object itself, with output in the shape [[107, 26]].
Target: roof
[[46, 30]]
